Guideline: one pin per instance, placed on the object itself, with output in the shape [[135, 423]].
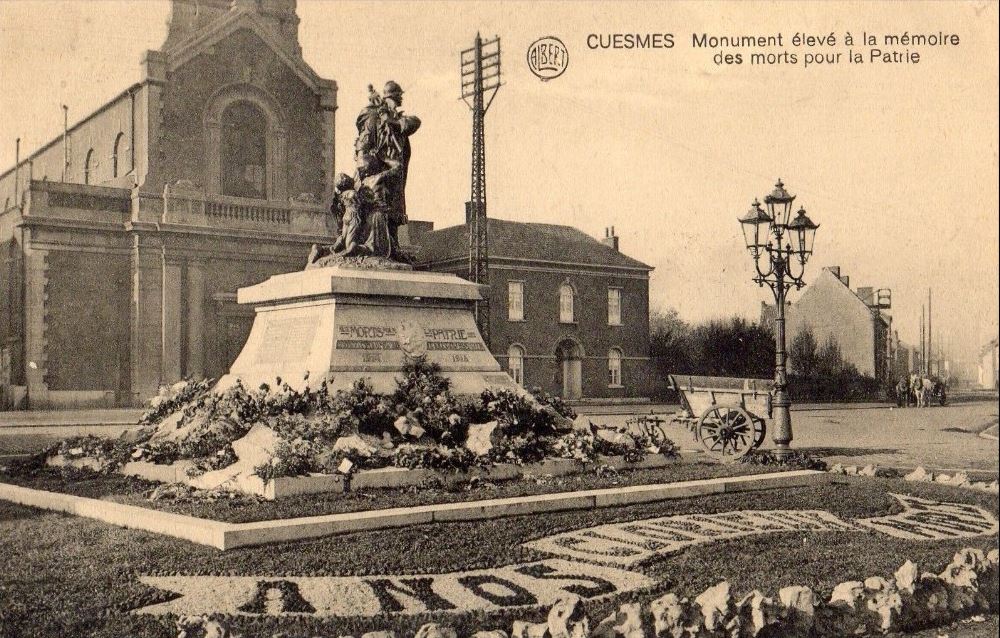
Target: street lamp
[[784, 245]]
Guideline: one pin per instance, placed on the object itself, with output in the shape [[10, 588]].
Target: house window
[[116, 154], [615, 367], [515, 301], [88, 166], [614, 306], [566, 295], [515, 363], [244, 151]]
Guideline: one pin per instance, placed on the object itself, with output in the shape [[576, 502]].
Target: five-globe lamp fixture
[[780, 246]]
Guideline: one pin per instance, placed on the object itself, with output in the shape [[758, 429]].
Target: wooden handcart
[[727, 415]]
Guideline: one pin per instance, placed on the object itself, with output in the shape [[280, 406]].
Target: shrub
[[523, 448], [357, 409], [580, 446], [291, 458], [555, 402], [317, 427], [796, 459], [112, 453], [172, 398], [424, 396], [438, 457], [515, 414]]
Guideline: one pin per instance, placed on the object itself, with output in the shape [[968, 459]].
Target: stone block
[[349, 324], [651, 493], [552, 467], [499, 508], [389, 477], [796, 478], [196, 530], [499, 472], [313, 484], [279, 531]]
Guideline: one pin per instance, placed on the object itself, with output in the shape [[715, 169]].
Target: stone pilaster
[[195, 293], [35, 344], [147, 328], [172, 312], [328, 104]]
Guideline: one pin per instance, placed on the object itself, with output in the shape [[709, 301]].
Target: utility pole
[[66, 141], [480, 81], [17, 169], [930, 348], [923, 342]]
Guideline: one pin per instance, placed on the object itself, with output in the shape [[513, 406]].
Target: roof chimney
[[867, 295], [835, 270], [610, 238]]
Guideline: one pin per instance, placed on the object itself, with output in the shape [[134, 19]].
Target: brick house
[[854, 319], [568, 313]]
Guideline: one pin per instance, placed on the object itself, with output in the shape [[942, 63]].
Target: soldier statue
[[371, 207]]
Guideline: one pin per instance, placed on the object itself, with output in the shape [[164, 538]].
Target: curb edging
[[226, 536]]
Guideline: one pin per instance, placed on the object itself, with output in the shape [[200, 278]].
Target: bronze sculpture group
[[370, 207]]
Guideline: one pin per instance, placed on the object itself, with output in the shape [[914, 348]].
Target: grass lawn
[[68, 576], [244, 509]]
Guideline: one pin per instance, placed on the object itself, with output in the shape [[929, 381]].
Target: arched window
[[88, 166], [244, 150], [515, 363], [566, 309], [614, 367], [116, 154]]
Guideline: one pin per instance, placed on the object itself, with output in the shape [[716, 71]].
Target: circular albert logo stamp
[[548, 58]]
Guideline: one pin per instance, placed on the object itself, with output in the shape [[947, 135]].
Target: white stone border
[[919, 475], [231, 535], [383, 478]]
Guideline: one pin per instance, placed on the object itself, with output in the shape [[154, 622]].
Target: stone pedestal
[[344, 324]]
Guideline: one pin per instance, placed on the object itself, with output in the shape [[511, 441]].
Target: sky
[[898, 163]]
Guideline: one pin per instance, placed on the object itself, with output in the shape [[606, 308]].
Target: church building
[[124, 241]]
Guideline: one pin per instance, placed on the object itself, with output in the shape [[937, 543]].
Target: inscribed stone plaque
[[287, 339]]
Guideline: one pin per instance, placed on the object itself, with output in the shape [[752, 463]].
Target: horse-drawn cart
[[726, 414]]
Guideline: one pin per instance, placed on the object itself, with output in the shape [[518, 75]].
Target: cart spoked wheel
[[759, 431], [728, 433]]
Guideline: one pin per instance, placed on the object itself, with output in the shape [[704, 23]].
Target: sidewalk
[[97, 416], [32, 430], [670, 408]]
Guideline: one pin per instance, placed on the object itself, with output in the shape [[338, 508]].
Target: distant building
[[906, 357], [854, 319], [988, 365], [568, 313]]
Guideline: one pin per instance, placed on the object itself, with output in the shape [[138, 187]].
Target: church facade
[[124, 240]]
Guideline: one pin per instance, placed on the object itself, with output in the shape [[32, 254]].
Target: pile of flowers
[[421, 424]]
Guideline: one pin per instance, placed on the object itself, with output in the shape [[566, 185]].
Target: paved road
[[858, 434]]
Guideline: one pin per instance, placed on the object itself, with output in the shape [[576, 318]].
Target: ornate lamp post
[[783, 245]]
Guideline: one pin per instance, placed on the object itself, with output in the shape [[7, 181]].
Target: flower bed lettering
[[590, 563]]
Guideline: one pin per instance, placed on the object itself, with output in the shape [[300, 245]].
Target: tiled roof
[[525, 240]]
